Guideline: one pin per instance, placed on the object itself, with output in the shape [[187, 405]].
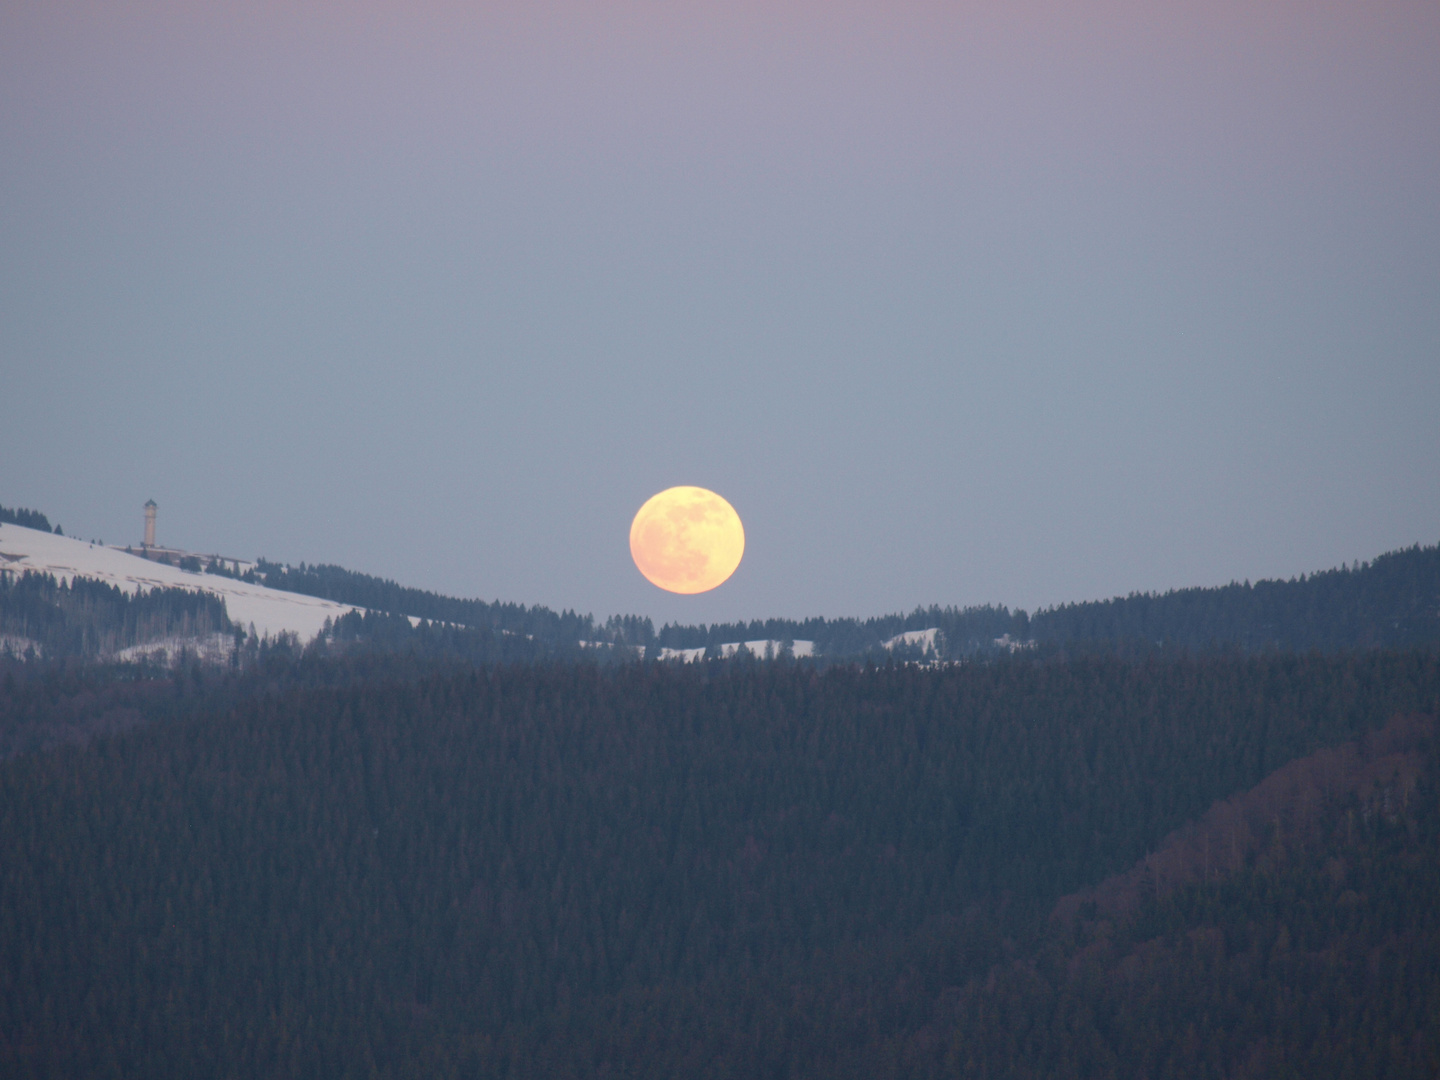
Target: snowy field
[[271, 611]]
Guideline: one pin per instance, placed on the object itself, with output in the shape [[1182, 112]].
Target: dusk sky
[[955, 303]]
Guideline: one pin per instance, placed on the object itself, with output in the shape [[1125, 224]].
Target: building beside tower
[[185, 560]]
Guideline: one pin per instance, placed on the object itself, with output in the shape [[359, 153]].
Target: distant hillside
[[1391, 601], [381, 594], [258, 611], [1394, 600], [964, 631]]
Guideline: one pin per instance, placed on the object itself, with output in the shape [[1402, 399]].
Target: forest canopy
[[374, 865]]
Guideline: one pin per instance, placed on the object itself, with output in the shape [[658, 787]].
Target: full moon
[[687, 540]]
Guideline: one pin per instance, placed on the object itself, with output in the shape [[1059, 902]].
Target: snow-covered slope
[[924, 638], [271, 611]]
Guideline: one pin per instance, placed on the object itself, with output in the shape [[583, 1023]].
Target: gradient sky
[[956, 303]]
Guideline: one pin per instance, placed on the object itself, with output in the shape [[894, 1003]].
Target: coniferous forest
[[1391, 601], [379, 862], [85, 618], [1184, 835]]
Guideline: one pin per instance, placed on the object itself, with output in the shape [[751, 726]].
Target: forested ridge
[[1393, 600], [1390, 601], [383, 595], [372, 864]]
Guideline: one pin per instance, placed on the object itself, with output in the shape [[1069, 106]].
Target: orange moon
[[687, 540]]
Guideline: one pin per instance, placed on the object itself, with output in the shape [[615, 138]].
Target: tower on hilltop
[[150, 523]]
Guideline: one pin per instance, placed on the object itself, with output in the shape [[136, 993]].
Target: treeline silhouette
[[377, 632], [378, 865], [383, 595], [30, 519], [1392, 601], [42, 616]]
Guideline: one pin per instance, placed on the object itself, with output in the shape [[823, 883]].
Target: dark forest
[[374, 864]]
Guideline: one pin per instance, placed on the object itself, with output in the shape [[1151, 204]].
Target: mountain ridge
[[1392, 600]]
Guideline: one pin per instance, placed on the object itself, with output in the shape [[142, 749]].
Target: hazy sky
[[956, 303]]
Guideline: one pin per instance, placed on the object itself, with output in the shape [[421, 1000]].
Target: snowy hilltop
[[271, 612]]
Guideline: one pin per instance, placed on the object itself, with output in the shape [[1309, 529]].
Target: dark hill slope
[[1392, 601], [1315, 955], [650, 871]]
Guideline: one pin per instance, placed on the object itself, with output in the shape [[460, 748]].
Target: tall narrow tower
[[150, 523]]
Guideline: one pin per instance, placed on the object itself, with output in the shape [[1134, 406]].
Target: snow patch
[[685, 656], [20, 647], [911, 638], [1005, 641], [214, 649]]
